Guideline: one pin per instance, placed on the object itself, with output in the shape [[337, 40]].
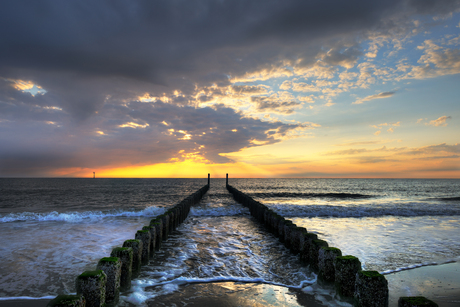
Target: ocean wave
[[219, 211], [404, 210], [311, 195], [74, 217]]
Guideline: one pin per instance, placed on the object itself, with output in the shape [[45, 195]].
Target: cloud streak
[[376, 96]]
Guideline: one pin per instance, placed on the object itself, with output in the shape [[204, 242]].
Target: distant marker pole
[[226, 180], [94, 175], [209, 178]]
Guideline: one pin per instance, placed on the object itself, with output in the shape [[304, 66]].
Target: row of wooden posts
[[113, 274], [352, 284], [102, 286]]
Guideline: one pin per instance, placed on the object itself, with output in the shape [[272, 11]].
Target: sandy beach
[[439, 283]]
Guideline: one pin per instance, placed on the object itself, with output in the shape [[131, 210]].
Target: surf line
[[352, 284], [113, 274]]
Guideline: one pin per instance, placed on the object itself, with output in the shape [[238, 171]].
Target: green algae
[[67, 300], [372, 274], [332, 249], [120, 249], [109, 259], [89, 274], [132, 241], [348, 257]]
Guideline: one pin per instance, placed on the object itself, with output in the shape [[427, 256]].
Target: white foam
[[26, 298], [415, 266], [75, 217]]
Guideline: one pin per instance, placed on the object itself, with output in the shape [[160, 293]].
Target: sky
[[259, 88]]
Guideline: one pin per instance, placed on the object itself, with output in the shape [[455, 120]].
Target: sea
[[51, 230]]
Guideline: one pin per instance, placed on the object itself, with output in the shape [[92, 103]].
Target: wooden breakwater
[[352, 284], [113, 274]]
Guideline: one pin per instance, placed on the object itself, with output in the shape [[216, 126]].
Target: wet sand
[[439, 283], [233, 294]]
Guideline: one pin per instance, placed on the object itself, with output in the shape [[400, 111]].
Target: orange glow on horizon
[[319, 169]]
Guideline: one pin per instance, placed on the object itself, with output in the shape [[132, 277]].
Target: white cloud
[[376, 96], [304, 87], [441, 121], [436, 61], [307, 99]]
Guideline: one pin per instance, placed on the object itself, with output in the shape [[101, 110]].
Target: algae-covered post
[[297, 239], [112, 269], [152, 231], [91, 284], [126, 256], [144, 237], [363, 288], [346, 268], [136, 245], [114, 273], [165, 222], [314, 252], [371, 289], [307, 243], [326, 259], [158, 224]]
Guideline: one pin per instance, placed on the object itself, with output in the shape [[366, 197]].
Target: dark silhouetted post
[[226, 180], [209, 179]]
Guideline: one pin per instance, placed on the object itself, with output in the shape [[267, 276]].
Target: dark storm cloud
[[33, 147], [146, 40], [95, 57]]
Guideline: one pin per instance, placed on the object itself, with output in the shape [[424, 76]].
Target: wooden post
[[126, 256], [91, 284], [346, 268], [371, 289], [226, 180], [209, 179], [111, 266]]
